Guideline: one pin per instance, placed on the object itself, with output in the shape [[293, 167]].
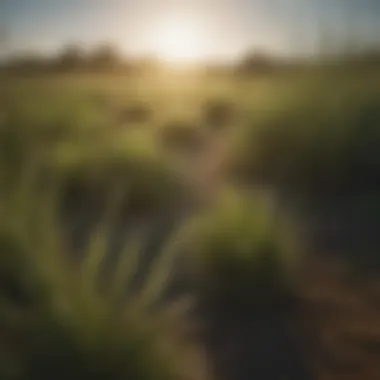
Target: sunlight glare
[[179, 40]]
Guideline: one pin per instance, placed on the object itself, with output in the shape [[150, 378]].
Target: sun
[[179, 39]]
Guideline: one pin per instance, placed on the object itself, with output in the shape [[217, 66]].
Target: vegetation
[[132, 162], [218, 114], [324, 140], [58, 319], [182, 136], [70, 140], [238, 254]]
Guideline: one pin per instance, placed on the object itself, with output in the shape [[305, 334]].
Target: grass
[[132, 161], [78, 146], [103, 138], [56, 318], [182, 136], [218, 114], [239, 257], [321, 140]]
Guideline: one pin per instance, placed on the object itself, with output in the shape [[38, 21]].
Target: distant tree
[[71, 57], [256, 62], [105, 56], [28, 62]]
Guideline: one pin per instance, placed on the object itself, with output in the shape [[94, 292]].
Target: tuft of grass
[[58, 321], [133, 162], [239, 255]]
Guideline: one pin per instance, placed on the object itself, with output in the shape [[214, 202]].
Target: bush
[[89, 165], [238, 257], [133, 163]]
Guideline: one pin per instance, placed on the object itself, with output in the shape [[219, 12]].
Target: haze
[[186, 30]]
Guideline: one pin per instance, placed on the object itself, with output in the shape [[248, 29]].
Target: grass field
[[248, 207]]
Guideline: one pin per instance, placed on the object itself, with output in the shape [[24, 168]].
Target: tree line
[[106, 57]]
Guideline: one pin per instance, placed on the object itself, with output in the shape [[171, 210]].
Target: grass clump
[[238, 257], [133, 162], [58, 321]]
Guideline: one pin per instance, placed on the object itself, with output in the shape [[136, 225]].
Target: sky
[[226, 28]]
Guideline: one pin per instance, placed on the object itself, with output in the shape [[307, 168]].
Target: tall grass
[[325, 139], [58, 318], [244, 274], [79, 146]]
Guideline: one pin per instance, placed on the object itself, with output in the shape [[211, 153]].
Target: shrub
[[133, 163], [238, 257]]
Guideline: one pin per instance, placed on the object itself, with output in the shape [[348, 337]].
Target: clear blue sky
[[229, 26]]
